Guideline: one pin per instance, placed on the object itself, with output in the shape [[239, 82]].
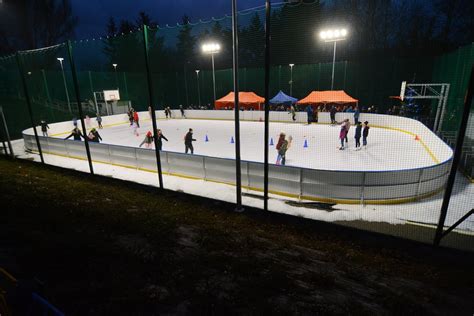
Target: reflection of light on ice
[[388, 149], [426, 210]]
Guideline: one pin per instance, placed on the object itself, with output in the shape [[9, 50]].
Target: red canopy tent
[[247, 100], [338, 97]]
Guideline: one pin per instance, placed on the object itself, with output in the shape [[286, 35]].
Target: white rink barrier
[[371, 187]]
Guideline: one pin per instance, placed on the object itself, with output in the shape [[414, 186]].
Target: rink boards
[[377, 187]]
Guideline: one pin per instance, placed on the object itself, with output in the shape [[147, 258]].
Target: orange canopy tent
[[247, 100], [328, 97]]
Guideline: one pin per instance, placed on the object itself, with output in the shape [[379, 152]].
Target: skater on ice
[[130, 116], [293, 112], [136, 118], [332, 114], [148, 141], [358, 133], [94, 136], [365, 134], [285, 145], [169, 112], [159, 139], [356, 115], [348, 127], [76, 134], [99, 120], [44, 128], [182, 111], [188, 141], [166, 112], [309, 112], [342, 135]]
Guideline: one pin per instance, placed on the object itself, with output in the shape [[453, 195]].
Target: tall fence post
[[48, 96], [28, 102], [267, 98], [7, 135], [235, 41], [456, 159], [152, 102], [79, 104]]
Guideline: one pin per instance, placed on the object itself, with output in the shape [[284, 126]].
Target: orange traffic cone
[[417, 137]]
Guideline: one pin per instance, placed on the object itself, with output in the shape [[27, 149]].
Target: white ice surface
[[425, 211], [387, 149]]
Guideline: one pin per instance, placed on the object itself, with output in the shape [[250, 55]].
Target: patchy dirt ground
[[101, 246]]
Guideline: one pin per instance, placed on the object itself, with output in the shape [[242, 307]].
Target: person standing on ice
[[342, 135], [365, 134], [166, 112], [188, 141], [358, 133], [160, 138], [309, 112], [182, 111], [348, 127], [285, 145], [44, 128], [148, 140], [99, 120], [356, 115], [281, 139], [293, 112], [130, 116], [169, 112], [332, 114], [76, 133], [136, 118], [94, 136]]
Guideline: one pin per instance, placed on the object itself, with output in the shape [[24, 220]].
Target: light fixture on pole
[[199, 90], [116, 78], [333, 35], [291, 78], [60, 59], [212, 48]]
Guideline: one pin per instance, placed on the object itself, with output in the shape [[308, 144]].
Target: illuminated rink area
[[387, 149]]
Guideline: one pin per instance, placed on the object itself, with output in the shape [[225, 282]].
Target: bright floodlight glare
[[333, 35], [60, 59], [211, 48], [291, 65], [197, 71], [115, 65]]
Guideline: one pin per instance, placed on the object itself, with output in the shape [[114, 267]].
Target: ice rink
[[387, 149]]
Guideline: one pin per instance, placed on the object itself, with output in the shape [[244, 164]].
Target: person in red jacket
[[281, 139], [135, 118]]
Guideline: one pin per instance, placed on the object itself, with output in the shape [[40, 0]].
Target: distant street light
[[333, 35], [291, 79], [116, 78], [199, 89], [65, 85], [212, 48]]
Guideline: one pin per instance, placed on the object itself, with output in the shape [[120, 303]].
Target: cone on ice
[[271, 141], [417, 137], [232, 139], [305, 143], [206, 139]]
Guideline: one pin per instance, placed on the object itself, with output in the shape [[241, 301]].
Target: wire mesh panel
[[362, 124]]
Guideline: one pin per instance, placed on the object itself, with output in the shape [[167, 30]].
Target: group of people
[[360, 130], [148, 141], [133, 117]]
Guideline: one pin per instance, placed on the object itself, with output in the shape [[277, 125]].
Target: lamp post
[[199, 90], [291, 79], [65, 85], [334, 36], [116, 78], [212, 48]]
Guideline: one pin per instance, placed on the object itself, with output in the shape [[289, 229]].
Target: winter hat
[[148, 134]]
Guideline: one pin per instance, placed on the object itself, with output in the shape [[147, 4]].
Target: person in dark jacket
[[94, 136], [44, 128], [76, 133], [365, 134], [332, 113], [99, 120], [356, 115], [358, 133], [188, 141], [159, 139], [309, 112]]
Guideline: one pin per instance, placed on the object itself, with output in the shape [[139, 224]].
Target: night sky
[[93, 15]]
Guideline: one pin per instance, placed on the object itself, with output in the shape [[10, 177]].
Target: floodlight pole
[[235, 42], [48, 96], [116, 77], [199, 90], [65, 85], [213, 77], [267, 105], [291, 79], [333, 64]]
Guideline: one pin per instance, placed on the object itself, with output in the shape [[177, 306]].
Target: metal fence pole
[[28, 103], [46, 88], [152, 102], [7, 135], [79, 105], [235, 45], [456, 159], [267, 106]]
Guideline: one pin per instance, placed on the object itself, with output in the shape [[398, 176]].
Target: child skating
[[358, 133], [44, 128], [148, 141], [365, 134], [342, 135]]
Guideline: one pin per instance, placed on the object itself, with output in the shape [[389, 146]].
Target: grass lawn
[[102, 246]]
